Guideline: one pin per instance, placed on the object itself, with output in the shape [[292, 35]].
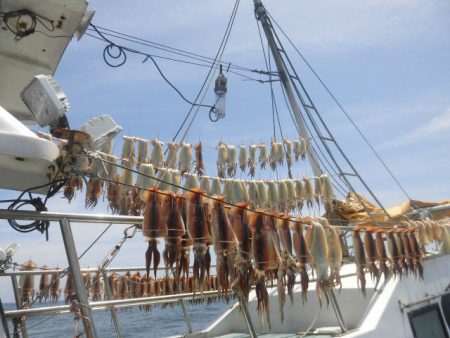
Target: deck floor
[[274, 335]]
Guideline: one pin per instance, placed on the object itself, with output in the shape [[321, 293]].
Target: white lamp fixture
[[84, 24], [45, 99], [100, 129]]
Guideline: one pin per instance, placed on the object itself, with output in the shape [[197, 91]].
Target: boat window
[[445, 304], [427, 322]]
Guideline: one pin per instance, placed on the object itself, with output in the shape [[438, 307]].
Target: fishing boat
[[309, 256]]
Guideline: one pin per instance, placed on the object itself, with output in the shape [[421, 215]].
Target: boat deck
[[275, 335]]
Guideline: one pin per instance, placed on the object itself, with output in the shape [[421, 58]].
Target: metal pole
[[69, 245], [285, 81], [337, 310], [23, 326], [4, 321], [248, 320], [113, 309], [186, 315]]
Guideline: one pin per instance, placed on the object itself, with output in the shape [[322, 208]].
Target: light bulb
[[220, 106]]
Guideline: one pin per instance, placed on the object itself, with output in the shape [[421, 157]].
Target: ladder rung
[[310, 107], [327, 139], [349, 174]]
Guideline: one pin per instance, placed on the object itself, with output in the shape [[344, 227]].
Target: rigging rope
[[341, 108]]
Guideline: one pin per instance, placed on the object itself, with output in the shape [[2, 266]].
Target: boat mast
[[261, 15]]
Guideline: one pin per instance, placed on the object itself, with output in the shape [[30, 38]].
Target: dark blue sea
[[133, 322]]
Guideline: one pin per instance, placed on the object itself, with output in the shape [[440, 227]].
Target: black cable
[[122, 57], [342, 109], [25, 22], [37, 204]]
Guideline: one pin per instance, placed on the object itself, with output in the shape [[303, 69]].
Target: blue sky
[[387, 62]]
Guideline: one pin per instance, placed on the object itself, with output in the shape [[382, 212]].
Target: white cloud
[[437, 127]]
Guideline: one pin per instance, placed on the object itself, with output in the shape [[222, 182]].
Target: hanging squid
[[172, 155], [263, 197], [143, 152], [360, 260], [95, 184], [154, 226], [319, 257], [222, 156], [309, 192], [55, 290], [394, 254], [334, 256], [292, 197], [382, 256], [283, 196], [273, 156], [416, 252], [185, 160], [302, 255], [261, 246], [199, 165], [297, 149], [185, 245], [273, 196], [263, 157], [300, 194], [205, 185], [243, 256], [288, 145], [371, 255], [251, 163], [243, 158], [128, 150], [225, 245], [303, 148], [112, 186], [75, 179], [175, 231], [253, 193], [157, 155], [317, 189], [215, 186], [44, 284], [176, 180], [327, 193], [197, 229], [26, 284], [284, 233], [231, 160], [127, 192]]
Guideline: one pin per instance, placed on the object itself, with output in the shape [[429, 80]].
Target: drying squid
[[263, 196], [382, 256], [261, 256], [283, 196], [416, 253], [205, 185], [251, 163], [96, 288], [284, 233], [273, 156], [317, 189], [44, 284], [360, 260], [245, 193], [300, 194], [157, 155], [185, 159], [263, 158], [242, 158], [136, 285], [190, 181], [309, 192], [185, 244], [55, 290], [26, 284], [172, 155], [371, 255], [225, 244], [154, 226], [113, 286], [222, 156], [297, 149], [273, 196], [303, 147], [164, 179], [253, 193], [231, 160], [69, 290], [319, 257], [402, 252], [394, 254], [243, 257], [215, 186], [95, 184], [238, 192], [197, 229], [199, 165], [127, 192], [128, 150], [291, 201], [288, 145], [175, 230], [302, 255], [145, 178], [334, 256], [444, 247], [228, 187], [112, 189], [327, 193], [280, 153], [408, 254], [176, 180], [75, 180], [143, 147]]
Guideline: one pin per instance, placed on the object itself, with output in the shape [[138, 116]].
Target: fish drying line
[[341, 108], [95, 156]]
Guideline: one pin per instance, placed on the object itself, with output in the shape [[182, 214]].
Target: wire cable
[[342, 109]]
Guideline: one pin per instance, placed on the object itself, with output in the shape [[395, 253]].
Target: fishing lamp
[[6, 256], [45, 99], [220, 89]]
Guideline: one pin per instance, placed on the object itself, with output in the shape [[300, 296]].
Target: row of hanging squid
[[121, 286], [122, 191], [252, 246]]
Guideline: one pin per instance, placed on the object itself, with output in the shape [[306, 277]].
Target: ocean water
[[133, 322]]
